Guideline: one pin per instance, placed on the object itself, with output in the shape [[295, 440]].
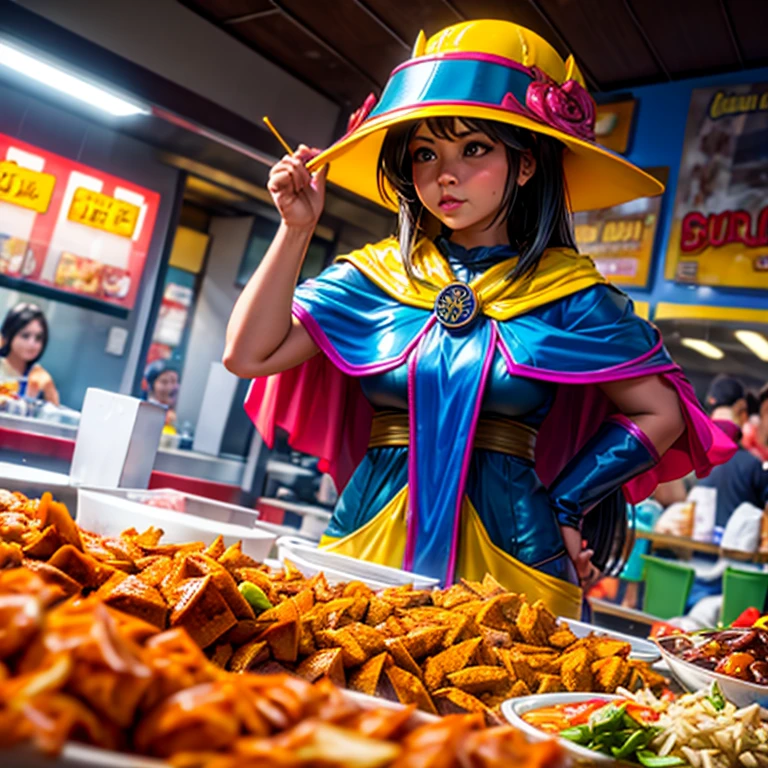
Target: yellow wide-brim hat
[[491, 70]]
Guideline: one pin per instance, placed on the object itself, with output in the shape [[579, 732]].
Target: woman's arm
[[262, 336], [42, 381], [653, 407]]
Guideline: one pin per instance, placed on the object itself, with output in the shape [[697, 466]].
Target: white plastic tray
[[339, 568], [108, 515]]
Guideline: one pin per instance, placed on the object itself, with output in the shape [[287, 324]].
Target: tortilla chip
[[356, 589], [476, 680], [517, 667], [449, 661], [575, 670], [216, 548], [137, 598], [285, 611], [492, 587], [199, 608], [609, 673], [283, 640], [244, 631], [378, 611], [325, 663], [453, 596], [42, 544], [52, 575], [451, 701], [233, 558], [202, 565], [500, 612], [307, 644], [393, 627], [423, 642], [249, 656], [603, 647], [330, 615], [222, 654], [369, 639], [550, 684], [54, 513], [409, 689], [319, 585], [366, 678], [535, 623], [401, 656], [352, 654], [153, 569], [304, 601], [81, 567], [519, 688], [562, 638], [459, 629]]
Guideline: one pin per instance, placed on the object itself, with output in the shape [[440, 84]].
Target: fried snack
[[451, 660], [575, 670], [134, 596], [609, 673], [476, 680], [248, 656], [402, 657], [326, 663], [451, 701], [199, 608], [562, 638], [550, 684], [409, 689], [366, 678]]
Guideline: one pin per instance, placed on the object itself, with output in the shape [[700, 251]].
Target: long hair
[[537, 213], [16, 321]]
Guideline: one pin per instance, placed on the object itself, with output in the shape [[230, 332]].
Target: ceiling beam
[[304, 27], [647, 40], [592, 82], [363, 6], [451, 6], [732, 33], [249, 17]]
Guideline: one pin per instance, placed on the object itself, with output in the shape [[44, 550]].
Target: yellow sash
[[561, 272]]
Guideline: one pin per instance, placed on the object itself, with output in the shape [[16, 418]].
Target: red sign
[[101, 255]]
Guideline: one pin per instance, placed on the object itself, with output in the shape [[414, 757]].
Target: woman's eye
[[477, 149], [423, 155]]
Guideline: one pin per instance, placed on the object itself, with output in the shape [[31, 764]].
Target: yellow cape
[[562, 272]]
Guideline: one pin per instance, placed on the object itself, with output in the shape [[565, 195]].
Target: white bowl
[[338, 568], [695, 678], [514, 709], [642, 650], [78, 756], [109, 515]]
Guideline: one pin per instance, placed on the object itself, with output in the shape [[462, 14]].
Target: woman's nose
[[447, 177]]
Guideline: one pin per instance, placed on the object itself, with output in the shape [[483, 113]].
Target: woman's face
[[461, 182], [27, 344], [166, 388]]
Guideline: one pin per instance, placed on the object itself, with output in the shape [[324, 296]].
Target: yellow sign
[[29, 189], [103, 212], [719, 233], [620, 239]]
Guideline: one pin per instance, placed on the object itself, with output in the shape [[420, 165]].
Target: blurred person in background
[[24, 339], [726, 403], [755, 430], [162, 380]]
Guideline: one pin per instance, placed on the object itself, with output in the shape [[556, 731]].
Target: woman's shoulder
[[39, 373], [600, 304]]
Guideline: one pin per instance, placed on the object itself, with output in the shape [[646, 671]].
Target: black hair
[[156, 369], [537, 213], [16, 321]]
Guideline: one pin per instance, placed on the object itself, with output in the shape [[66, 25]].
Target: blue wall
[[660, 118]]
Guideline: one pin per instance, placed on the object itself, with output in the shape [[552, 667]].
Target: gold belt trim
[[390, 428]]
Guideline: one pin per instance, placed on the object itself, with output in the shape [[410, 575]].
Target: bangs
[[456, 128]]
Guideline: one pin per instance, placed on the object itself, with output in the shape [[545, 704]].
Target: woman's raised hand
[[298, 194]]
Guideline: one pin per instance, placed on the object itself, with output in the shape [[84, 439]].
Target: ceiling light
[[704, 348], [75, 87], [755, 342]]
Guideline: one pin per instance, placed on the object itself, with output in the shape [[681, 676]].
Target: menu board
[[71, 227]]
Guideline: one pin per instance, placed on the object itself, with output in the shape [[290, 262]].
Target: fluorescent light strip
[[755, 342], [62, 81], [704, 348]]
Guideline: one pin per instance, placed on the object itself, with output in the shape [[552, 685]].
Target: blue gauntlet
[[619, 451]]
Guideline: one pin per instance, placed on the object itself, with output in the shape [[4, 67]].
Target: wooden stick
[[277, 135]]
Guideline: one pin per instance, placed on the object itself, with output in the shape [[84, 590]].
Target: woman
[[487, 384], [162, 381], [24, 339]]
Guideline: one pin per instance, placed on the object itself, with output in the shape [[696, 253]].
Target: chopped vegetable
[[255, 596], [716, 698]]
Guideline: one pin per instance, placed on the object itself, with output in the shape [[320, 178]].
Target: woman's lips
[[450, 204]]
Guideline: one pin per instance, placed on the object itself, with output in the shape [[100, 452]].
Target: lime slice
[[255, 596]]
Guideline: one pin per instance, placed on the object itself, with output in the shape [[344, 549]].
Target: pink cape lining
[[326, 415]]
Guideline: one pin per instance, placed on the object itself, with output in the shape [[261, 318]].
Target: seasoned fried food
[[609, 673], [448, 661], [366, 678], [575, 670], [409, 689], [477, 680]]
